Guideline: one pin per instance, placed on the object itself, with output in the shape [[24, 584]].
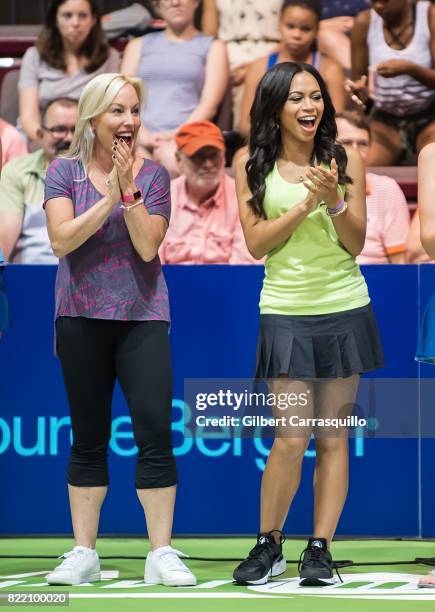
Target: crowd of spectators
[[376, 56]]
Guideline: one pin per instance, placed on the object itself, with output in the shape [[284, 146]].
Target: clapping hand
[[323, 183], [123, 162]]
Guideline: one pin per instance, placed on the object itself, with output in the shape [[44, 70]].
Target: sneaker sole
[[173, 583], [316, 582], [278, 568], [90, 578]]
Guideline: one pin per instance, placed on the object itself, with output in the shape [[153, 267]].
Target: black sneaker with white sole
[[316, 567], [263, 562]]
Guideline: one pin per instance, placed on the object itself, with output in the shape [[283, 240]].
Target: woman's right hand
[[114, 193], [358, 90], [312, 201]]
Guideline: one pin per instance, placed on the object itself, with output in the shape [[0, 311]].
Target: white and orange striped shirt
[[388, 220]]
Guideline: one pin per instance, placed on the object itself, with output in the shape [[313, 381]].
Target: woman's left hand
[[123, 159], [325, 182], [394, 67]]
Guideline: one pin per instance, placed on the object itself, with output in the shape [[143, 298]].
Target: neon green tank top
[[311, 273]]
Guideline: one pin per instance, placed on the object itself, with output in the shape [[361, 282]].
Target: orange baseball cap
[[194, 136]]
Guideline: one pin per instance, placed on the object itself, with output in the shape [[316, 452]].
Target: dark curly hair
[[312, 5], [50, 44], [265, 137]]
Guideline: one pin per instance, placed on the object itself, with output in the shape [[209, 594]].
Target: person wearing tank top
[[426, 345], [393, 55], [185, 73], [302, 205], [298, 27]]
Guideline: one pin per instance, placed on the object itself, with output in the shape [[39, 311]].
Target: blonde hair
[[96, 98]]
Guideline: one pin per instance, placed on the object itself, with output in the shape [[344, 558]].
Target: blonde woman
[[107, 213]]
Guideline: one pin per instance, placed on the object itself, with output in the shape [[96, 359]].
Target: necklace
[[106, 174], [301, 177]]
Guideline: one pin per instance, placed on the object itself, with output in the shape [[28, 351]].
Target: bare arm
[[67, 233], [210, 17], [254, 73], [359, 47], [426, 76], [415, 252], [426, 189], [334, 77], [351, 225], [131, 58], [29, 111], [10, 230], [264, 235], [215, 84], [146, 231]]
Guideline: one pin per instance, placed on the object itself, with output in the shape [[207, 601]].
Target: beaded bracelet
[[338, 210], [126, 208]]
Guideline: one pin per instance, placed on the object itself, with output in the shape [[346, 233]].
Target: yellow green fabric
[[311, 273]]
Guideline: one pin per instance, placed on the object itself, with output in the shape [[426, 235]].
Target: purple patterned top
[[105, 278]]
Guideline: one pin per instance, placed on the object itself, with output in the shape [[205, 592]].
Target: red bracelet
[[131, 197]]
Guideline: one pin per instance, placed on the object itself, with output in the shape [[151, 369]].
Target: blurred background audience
[[23, 229], [393, 59], [13, 144], [336, 26], [205, 226], [387, 211], [71, 49], [186, 75], [298, 27], [249, 30]]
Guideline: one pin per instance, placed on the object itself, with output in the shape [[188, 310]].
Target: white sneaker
[[79, 565], [164, 566]]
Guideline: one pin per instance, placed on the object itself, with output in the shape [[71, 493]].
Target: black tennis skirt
[[319, 346]]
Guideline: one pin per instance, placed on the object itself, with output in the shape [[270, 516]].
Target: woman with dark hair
[[302, 204], [298, 27], [393, 59], [71, 49]]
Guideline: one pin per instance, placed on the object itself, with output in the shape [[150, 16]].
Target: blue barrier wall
[[214, 327]]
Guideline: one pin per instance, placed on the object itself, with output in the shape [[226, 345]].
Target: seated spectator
[[13, 144], [23, 230], [70, 50], [186, 73], [249, 31], [298, 26], [205, 226], [336, 26], [387, 210], [415, 252], [394, 42]]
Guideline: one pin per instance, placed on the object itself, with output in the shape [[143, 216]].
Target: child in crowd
[[298, 26]]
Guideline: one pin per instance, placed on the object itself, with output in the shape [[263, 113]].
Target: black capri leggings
[[96, 352]]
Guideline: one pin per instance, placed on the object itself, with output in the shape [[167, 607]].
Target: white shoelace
[[171, 560], [71, 559]]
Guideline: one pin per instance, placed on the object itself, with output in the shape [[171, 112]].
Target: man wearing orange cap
[[205, 226]]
